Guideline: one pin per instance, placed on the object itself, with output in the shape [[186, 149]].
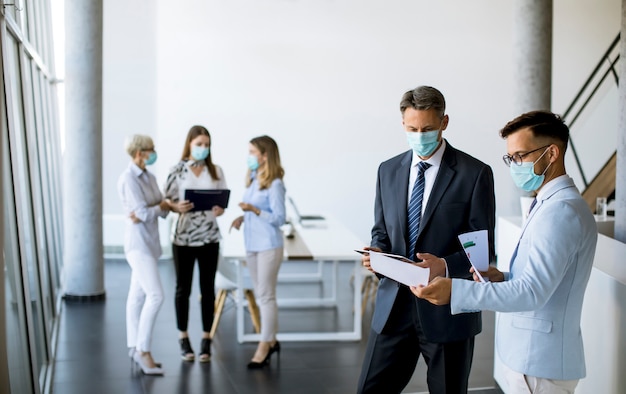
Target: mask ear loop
[[544, 152]]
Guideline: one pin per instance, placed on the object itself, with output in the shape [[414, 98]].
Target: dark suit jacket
[[462, 199]]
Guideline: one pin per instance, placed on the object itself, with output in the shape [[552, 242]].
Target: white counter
[[603, 317]]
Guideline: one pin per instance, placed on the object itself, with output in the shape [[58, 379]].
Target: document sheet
[[476, 246], [399, 268]]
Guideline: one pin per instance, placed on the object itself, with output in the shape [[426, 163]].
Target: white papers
[[476, 246], [399, 269]]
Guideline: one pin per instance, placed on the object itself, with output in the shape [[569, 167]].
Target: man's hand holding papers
[[395, 267]]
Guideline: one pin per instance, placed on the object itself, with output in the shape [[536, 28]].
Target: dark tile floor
[[92, 357]]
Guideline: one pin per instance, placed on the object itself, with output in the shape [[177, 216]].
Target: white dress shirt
[[429, 175]]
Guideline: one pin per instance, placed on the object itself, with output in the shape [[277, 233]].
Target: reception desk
[[603, 316]]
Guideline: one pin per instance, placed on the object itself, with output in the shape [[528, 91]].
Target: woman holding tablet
[[196, 236]]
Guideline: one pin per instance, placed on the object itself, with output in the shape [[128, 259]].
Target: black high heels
[[266, 361], [186, 352], [205, 350]]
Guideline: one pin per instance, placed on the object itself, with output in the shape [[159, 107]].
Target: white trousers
[[145, 297], [264, 268], [523, 384]]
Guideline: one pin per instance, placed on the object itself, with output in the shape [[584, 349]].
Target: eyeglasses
[[517, 158]]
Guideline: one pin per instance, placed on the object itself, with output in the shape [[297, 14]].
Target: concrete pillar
[[532, 51], [83, 276], [532, 57], [620, 181]]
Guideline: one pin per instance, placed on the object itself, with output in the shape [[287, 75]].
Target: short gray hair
[[136, 143], [424, 98]]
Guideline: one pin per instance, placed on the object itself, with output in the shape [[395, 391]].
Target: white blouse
[[200, 227], [140, 194]]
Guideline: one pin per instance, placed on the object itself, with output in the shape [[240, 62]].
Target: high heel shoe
[[205, 350], [186, 352], [144, 368], [266, 361], [131, 353]]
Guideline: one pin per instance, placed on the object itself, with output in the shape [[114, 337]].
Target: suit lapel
[[401, 177], [444, 177]]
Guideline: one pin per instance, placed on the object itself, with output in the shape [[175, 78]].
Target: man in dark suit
[[420, 209]]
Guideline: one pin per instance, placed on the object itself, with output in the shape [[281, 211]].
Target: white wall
[[324, 78]]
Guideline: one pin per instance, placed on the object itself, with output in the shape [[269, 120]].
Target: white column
[[620, 177], [532, 51], [82, 162], [532, 57]]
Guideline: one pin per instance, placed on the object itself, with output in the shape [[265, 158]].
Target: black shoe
[[186, 351], [266, 360], [205, 350]]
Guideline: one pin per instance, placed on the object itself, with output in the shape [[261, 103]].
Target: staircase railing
[[587, 92]]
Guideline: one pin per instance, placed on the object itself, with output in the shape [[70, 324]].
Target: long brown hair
[[272, 168], [195, 131]]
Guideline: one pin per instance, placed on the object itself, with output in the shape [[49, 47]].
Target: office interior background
[[323, 78]]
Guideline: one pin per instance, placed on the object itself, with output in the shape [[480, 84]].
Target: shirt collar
[[434, 160], [135, 169], [194, 163], [558, 183]]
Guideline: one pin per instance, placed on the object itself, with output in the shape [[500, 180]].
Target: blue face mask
[[199, 152], [253, 162], [524, 175], [423, 143], [151, 159]]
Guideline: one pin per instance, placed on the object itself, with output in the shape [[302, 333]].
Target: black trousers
[[184, 260], [391, 356]]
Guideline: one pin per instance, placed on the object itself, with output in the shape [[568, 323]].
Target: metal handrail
[[611, 69]]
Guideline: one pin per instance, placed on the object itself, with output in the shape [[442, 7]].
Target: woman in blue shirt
[[264, 212]]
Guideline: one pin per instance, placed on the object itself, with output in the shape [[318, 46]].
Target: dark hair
[[542, 124], [424, 98], [195, 131]]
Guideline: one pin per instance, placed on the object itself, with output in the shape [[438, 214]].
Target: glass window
[[24, 210], [18, 357]]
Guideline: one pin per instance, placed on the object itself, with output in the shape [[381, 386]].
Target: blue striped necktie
[[415, 207], [532, 205]]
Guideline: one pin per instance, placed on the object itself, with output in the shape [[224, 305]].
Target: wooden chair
[[225, 285], [369, 286]]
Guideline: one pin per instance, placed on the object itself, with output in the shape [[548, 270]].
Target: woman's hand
[[236, 223], [165, 206], [217, 210], [180, 206], [134, 218], [249, 208]]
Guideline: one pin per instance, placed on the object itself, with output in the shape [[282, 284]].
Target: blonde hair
[[136, 143], [271, 169]]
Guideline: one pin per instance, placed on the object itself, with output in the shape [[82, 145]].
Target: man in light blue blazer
[[539, 340]]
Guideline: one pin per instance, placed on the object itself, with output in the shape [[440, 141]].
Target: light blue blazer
[[544, 290]]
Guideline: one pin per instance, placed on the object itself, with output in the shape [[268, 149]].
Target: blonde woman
[[264, 212], [143, 204], [197, 236]]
